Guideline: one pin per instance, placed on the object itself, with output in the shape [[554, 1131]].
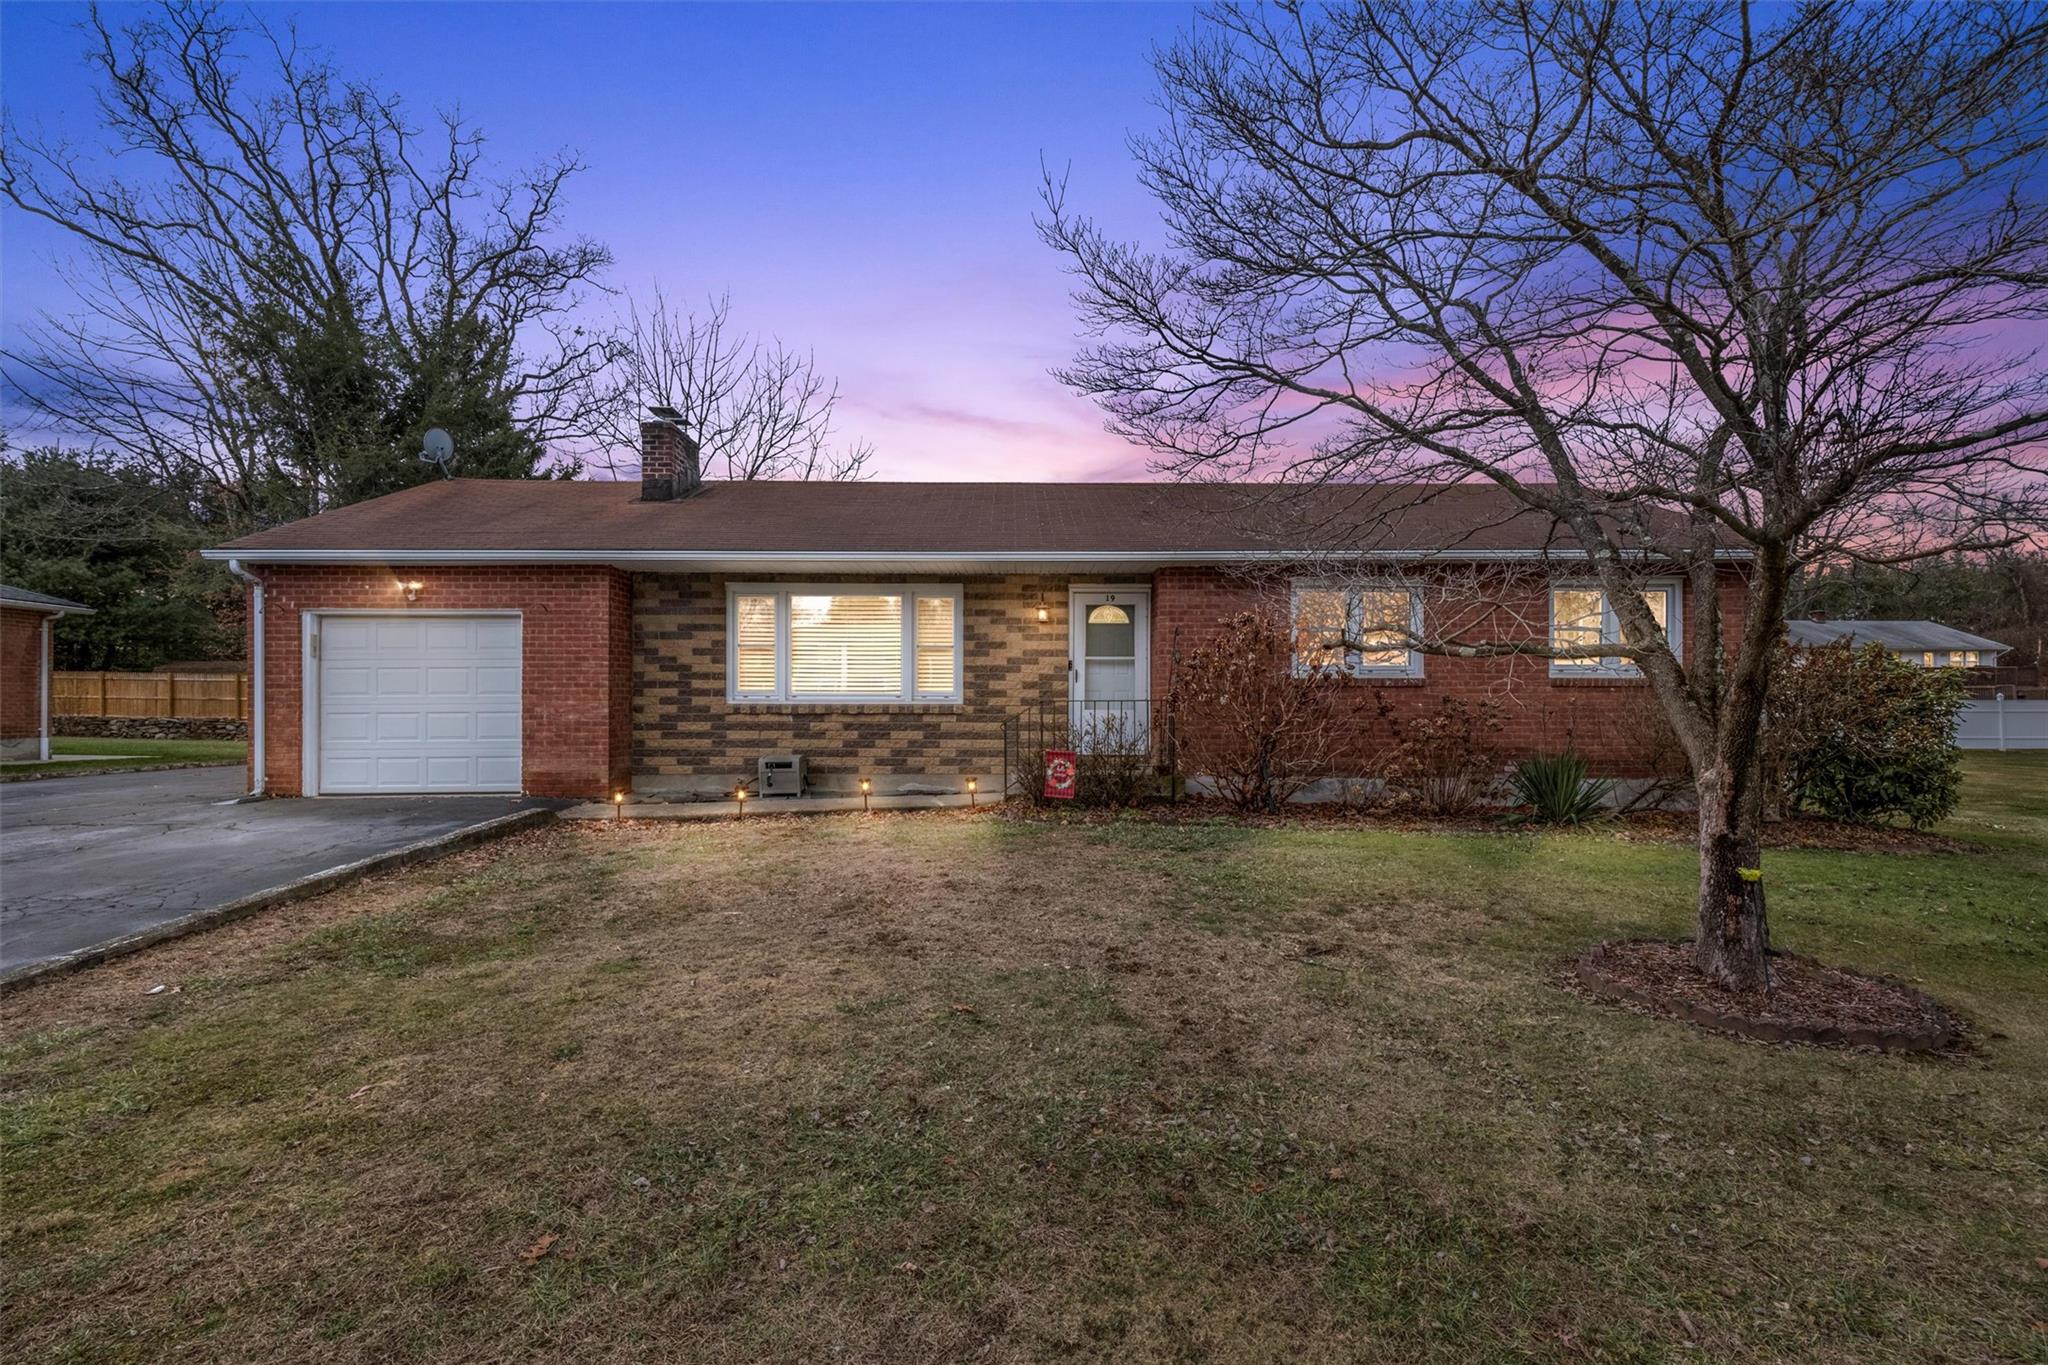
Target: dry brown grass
[[942, 1087]]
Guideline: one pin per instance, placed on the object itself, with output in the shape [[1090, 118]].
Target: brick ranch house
[[26, 619], [582, 639]]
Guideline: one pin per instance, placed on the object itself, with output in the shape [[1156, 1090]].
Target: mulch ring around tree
[[1809, 1001]]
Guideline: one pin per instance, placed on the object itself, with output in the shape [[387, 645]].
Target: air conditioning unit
[[782, 775]]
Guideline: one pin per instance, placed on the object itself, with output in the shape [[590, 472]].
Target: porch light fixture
[[411, 588], [865, 787], [1044, 612]]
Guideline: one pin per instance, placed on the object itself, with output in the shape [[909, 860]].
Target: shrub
[[1446, 762], [1117, 767], [1557, 789], [1653, 749], [1857, 735], [1248, 722], [1114, 758]]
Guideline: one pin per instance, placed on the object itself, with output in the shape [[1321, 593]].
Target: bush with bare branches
[[1446, 762], [1115, 761], [1257, 729]]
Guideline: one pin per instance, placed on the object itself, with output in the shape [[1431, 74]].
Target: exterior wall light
[[411, 588], [1044, 612]]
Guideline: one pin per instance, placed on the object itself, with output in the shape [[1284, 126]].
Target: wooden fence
[[183, 696]]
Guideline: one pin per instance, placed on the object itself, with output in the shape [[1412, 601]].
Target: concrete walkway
[[90, 859]]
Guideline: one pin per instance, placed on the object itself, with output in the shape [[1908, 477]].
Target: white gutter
[[255, 671], [48, 655], [712, 559]]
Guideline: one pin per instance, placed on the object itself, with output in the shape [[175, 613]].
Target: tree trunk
[[1733, 939]]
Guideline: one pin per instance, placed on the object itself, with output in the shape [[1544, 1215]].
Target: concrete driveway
[[85, 860]]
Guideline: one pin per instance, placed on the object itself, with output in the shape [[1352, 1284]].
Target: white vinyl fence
[[2003, 724]]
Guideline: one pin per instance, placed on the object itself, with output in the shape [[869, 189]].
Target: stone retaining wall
[[149, 727]]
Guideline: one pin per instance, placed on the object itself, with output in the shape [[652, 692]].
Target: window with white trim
[[843, 642], [1580, 614], [1363, 631]]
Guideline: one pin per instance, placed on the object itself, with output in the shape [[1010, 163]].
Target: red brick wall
[[576, 665], [1612, 721], [21, 665]]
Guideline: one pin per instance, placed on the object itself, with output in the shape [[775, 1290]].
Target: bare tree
[[1688, 282], [757, 409], [245, 187]]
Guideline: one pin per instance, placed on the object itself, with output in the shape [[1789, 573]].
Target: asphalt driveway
[[84, 860]]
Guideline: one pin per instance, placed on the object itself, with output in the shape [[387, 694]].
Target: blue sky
[[860, 178]]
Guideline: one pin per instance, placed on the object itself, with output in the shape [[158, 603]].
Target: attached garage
[[417, 701]]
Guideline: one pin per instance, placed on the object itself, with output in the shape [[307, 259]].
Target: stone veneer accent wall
[[688, 737]]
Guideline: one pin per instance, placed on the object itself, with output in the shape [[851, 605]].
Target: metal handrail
[[1123, 726]]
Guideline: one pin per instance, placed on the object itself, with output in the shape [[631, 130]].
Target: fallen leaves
[[532, 1255]]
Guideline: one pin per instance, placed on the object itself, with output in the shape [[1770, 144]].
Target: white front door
[[419, 702], [1110, 669]]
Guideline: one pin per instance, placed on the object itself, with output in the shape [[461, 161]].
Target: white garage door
[[419, 703]]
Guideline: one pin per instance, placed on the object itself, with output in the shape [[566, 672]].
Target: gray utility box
[[782, 775]]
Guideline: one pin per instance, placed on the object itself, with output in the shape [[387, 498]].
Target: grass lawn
[[128, 755], [942, 1087]]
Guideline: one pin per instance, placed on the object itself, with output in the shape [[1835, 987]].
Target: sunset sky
[[860, 178]]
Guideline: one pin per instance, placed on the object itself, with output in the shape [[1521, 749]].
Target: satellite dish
[[437, 448]]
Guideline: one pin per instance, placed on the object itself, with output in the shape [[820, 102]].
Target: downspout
[[43, 743], [255, 674]]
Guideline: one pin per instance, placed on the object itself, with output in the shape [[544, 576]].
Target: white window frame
[[1611, 631], [1354, 665], [906, 694]]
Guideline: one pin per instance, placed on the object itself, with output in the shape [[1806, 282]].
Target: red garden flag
[[1061, 772]]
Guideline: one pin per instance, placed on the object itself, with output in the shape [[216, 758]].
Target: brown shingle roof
[[913, 519]]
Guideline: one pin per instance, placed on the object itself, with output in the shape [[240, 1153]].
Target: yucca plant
[[1557, 789]]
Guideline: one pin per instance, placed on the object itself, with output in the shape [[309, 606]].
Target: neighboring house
[[1924, 644], [585, 638], [25, 621]]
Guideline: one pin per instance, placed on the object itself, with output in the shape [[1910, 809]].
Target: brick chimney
[[668, 460]]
